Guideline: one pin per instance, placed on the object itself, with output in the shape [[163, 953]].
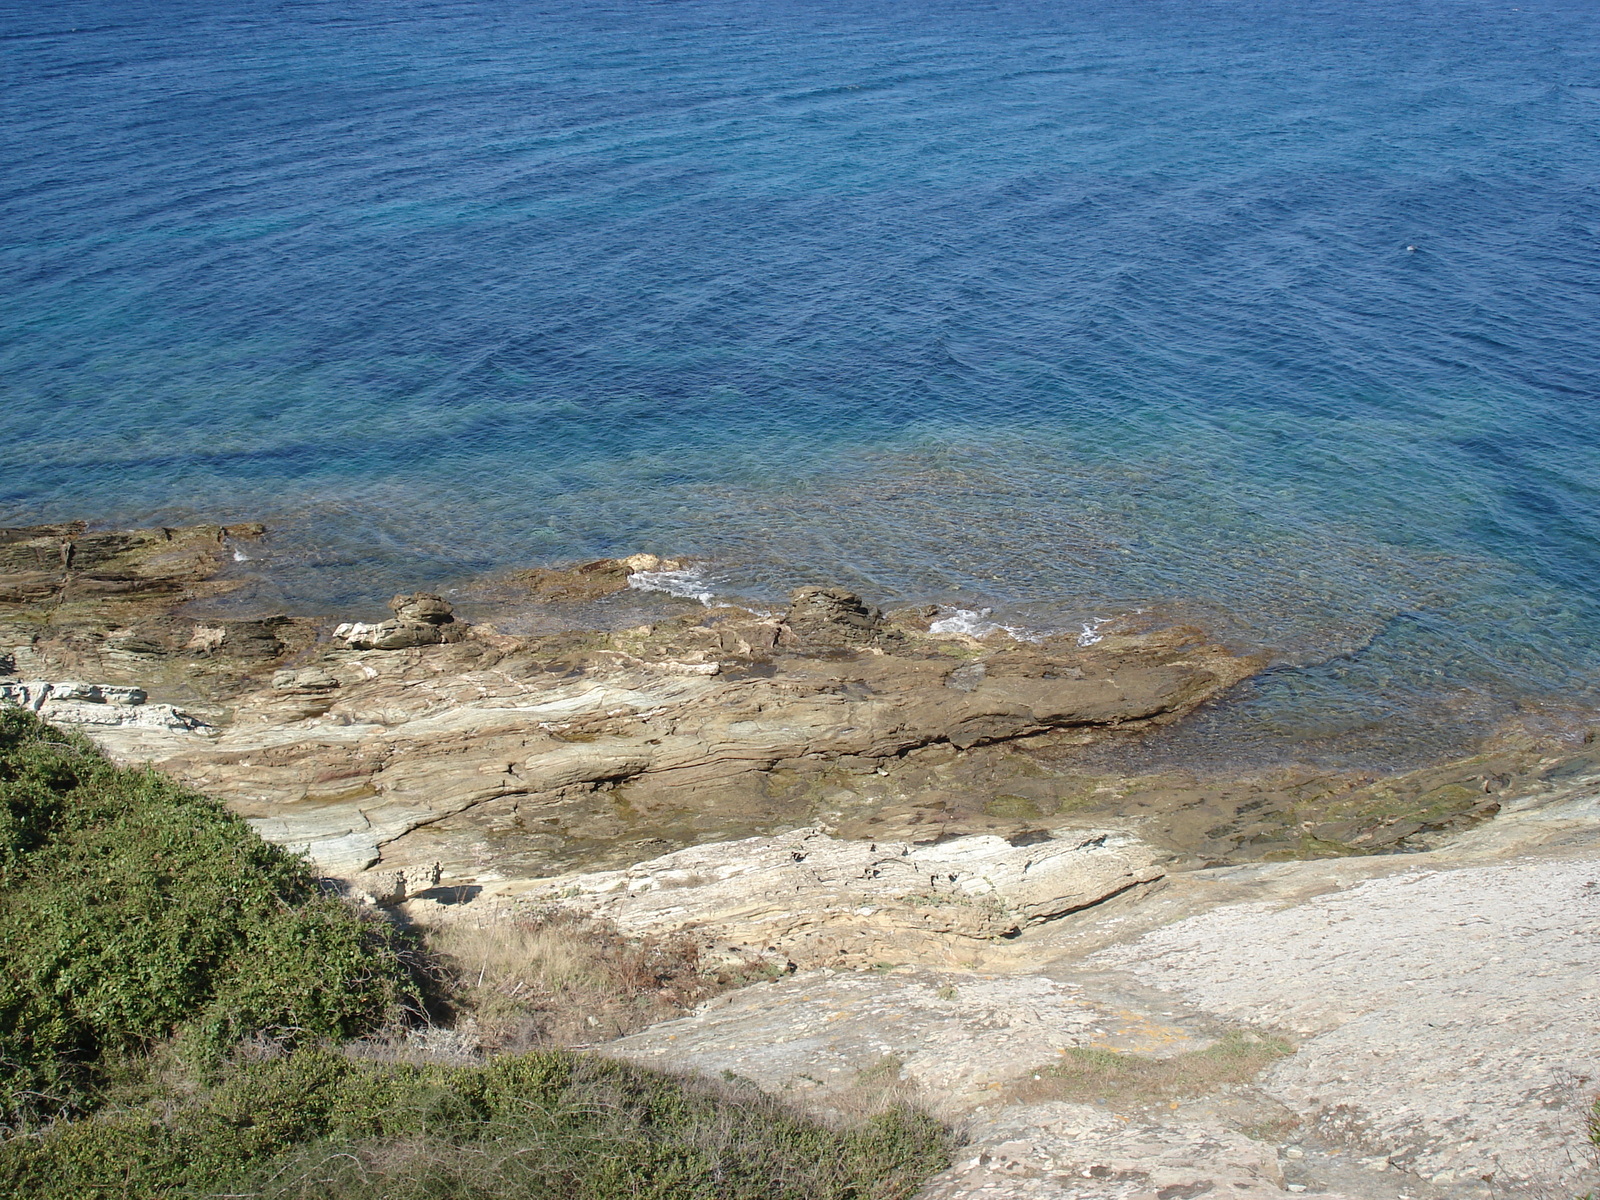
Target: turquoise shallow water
[[1281, 316]]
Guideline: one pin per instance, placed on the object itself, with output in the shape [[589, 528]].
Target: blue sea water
[[1281, 316]]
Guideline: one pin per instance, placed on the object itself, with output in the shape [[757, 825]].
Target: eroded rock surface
[[95, 705], [421, 739], [958, 1037], [1448, 1016], [818, 900], [1441, 1006], [1054, 1151]]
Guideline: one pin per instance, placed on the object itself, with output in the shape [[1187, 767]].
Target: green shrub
[[140, 923], [134, 911], [549, 1125]]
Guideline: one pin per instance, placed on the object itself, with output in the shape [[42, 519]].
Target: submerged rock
[[591, 580]]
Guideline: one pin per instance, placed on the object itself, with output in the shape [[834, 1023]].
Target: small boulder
[[831, 616], [423, 607], [421, 619]]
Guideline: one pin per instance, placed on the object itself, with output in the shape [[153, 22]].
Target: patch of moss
[[1087, 1074], [1013, 807]]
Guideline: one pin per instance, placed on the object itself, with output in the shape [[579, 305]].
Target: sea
[[1278, 317]]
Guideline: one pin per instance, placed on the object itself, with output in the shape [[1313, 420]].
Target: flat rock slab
[[1055, 1151], [1449, 1015], [957, 1038]]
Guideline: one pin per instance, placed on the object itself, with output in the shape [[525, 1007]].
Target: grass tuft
[[1087, 1074], [551, 977]]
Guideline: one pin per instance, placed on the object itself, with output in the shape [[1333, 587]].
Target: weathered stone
[[819, 900], [1059, 1151], [95, 704], [396, 635], [424, 607], [1440, 1009], [306, 681], [421, 619], [959, 1038], [829, 616]]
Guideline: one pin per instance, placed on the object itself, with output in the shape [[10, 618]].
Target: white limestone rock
[[822, 900], [95, 704]]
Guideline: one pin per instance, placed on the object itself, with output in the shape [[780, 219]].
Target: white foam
[[689, 584], [240, 555], [1091, 632], [975, 623]]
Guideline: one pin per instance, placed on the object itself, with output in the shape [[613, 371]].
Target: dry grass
[[1130, 1080], [555, 978]]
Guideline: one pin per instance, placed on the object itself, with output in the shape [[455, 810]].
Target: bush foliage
[[136, 913], [549, 1125], [148, 935]]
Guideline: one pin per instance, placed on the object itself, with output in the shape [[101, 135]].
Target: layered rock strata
[[424, 739], [817, 900], [1437, 1008]]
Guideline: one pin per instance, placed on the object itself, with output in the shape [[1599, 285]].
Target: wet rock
[[829, 616], [590, 580], [423, 607], [421, 619], [116, 605]]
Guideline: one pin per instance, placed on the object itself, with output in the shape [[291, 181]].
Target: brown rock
[[423, 607], [587, 581], [829, 616]]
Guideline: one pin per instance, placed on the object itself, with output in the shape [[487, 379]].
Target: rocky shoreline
[[422, 739], [832, 788]]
